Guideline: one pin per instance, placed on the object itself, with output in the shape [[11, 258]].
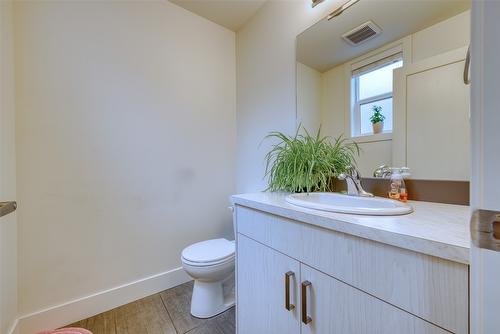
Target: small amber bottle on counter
[[403, 196], [397, 188]]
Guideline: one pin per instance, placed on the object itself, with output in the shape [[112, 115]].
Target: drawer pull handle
[[305, 318], [289, 306]]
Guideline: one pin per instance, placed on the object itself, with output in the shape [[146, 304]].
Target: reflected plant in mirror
[[306, 163], [377, 119]]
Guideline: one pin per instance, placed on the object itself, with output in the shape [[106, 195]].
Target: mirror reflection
[[394, 84]]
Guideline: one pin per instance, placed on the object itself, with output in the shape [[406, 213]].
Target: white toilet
[[211, 264]]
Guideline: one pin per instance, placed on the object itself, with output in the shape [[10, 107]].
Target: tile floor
[[166, 312]]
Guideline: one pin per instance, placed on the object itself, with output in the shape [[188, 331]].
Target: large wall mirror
[[410, 67]]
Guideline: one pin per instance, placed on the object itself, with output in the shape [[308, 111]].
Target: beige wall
[[266, 85], [8, 226], [447, 35], [125, 142]]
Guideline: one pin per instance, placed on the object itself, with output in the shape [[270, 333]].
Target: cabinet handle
[[305, 318], [289, 306]]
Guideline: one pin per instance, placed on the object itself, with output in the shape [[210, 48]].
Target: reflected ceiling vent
[[361, 34]]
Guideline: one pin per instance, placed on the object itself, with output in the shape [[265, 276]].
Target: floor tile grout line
[[114, 319], [168, 313]]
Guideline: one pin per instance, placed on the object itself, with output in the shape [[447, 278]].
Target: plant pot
[[378, 127]]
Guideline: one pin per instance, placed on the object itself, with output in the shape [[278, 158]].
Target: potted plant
[[377, 119], [305, 163]]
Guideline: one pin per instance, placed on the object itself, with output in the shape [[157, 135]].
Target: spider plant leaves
[[306, 163]]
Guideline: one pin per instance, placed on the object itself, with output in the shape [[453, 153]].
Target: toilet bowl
[[211, 264]]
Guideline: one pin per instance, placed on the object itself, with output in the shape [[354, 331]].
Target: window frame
[[403, 47], [397, 55], [356, 124]]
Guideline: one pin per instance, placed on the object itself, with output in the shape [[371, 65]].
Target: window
[[372, 86]]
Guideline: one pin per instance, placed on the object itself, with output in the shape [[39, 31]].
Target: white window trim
[[379, 57], [370, 64], [401, 46], [356, 121]]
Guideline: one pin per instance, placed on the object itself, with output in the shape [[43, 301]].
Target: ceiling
[[322, 47], [231, 14]]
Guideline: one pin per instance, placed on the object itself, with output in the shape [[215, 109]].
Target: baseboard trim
[[82, 308]]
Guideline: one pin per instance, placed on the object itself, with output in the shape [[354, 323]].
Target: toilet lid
[[209, 251]]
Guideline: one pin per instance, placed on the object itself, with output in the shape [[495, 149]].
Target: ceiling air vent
[[361, 34]]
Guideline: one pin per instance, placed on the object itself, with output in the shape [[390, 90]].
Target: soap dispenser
[[397, 187]]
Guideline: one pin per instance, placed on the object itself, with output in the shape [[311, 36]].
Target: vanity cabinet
[[317, 303], [338, 283]]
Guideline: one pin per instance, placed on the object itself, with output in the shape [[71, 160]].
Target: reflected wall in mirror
[[392, 83]]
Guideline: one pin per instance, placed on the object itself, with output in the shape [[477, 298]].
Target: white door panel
[[485, 176], [431, 131]]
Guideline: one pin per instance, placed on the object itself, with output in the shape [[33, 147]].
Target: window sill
[[384, 136]]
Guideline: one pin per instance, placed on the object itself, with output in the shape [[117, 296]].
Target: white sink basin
[[336, 202]]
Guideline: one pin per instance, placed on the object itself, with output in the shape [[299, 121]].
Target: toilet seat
[[209, 253], [208, 264]]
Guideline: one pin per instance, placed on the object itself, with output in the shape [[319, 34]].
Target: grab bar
[[7, 207]]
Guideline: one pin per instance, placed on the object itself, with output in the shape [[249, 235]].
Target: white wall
[[266, 86], [308, 97], [333, 102], [444, 36], [8, 226], [333, 122], [266, 89], [125, 142]]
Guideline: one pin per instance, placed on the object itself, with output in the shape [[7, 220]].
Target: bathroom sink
[[336, 202]]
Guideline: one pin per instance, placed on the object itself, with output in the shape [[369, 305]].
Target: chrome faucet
[[385, 171], [353, 180], [382, 172]]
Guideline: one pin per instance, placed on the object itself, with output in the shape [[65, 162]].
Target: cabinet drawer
[[431, 288]]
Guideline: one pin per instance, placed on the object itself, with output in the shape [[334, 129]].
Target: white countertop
[[435, 229]]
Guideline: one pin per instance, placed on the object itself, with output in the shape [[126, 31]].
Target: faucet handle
[[350, 172]]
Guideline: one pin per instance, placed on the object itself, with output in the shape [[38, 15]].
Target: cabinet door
[[337, 308], [261, 289], [431, 120]]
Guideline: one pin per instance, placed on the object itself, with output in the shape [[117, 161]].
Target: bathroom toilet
[[211, 264]]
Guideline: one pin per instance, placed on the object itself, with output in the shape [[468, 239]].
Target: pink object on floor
[[71, 330]]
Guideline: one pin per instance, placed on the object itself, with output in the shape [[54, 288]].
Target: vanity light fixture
[[341, 9]]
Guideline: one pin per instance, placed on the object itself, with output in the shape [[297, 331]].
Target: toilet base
[[212, 298]]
